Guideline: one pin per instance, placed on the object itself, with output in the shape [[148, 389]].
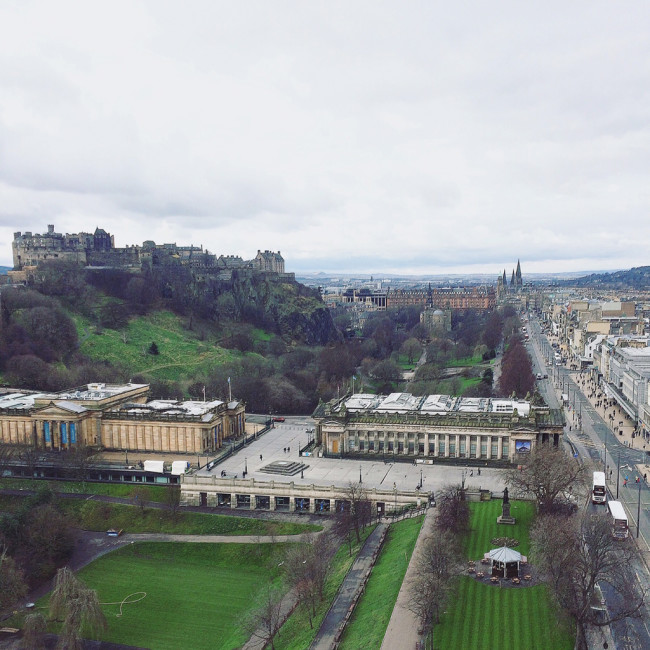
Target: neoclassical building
[[114, 416], [435, 427]]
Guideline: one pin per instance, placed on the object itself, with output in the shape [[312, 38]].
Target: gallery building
[[116, 416], [435, 428]]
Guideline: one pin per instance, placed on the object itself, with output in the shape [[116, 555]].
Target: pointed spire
[[518, 274], [512, 279]]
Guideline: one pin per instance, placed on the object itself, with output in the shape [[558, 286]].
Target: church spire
[[518, 275]]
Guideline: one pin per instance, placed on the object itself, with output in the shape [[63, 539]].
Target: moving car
[[278, 418]]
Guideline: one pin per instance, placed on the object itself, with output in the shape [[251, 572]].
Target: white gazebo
[[505, 562]]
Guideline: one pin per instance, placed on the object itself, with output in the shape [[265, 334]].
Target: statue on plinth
[[505, 517]]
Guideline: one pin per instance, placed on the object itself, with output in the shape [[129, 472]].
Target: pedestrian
[[285, 450], [260, 456], [288, 449], [479, 471], [471, 472], [625, 481], [645, 477], [637, 479]]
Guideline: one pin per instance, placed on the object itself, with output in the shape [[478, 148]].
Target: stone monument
[[505, 517]]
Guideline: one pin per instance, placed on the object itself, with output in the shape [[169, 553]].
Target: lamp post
[[245, 466], [126, 455], [638, 509], [360, 479], [395, 495]]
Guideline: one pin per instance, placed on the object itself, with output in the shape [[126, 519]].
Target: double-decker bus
[[619, 520], [599, 488]]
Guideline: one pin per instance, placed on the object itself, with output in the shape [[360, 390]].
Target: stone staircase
[[284, 468]]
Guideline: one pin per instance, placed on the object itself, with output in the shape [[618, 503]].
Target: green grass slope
[[180, 356], [196, 594]]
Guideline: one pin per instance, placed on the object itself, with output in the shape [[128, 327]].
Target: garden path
[[402, 630]]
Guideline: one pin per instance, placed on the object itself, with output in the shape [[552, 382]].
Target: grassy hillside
[[180, 354]]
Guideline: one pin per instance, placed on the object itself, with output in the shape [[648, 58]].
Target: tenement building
[[435, 427], [113, 416]]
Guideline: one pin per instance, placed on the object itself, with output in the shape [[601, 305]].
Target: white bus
[[619, 520], [599, 488]]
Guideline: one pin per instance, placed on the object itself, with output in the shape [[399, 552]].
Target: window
[[452, 446], [484, 447], [472, 447], [371, 445], [421, 448], [505, 452], [381, 445], [362, 445], [391, 445], [432, 447], [462, 446], [494, 452], [400, 447]]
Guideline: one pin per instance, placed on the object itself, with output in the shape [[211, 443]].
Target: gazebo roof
[[505, 554]]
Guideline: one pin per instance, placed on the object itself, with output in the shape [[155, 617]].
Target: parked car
[[278, 418], [539, 375]]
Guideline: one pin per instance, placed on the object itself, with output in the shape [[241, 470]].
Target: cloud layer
[[366, 136]]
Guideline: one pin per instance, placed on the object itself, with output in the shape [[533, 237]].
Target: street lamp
[[360, 479], [245, 466]]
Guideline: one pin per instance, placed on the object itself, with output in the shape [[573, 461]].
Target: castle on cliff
[[98, 250]]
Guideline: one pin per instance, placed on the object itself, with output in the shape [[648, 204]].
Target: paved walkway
[[402, 630], [349, 589]]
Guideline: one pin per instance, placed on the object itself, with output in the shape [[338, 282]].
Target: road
[[593, 439]]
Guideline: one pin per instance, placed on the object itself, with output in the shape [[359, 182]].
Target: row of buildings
[[121, 417], [608, 337], [98, 250]]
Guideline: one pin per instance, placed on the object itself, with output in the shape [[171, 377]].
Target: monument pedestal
[[505, 517]]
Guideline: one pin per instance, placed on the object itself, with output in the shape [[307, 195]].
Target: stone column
[[500, 447], [253, 499], [312, 505], [292, 504], [233, 501]]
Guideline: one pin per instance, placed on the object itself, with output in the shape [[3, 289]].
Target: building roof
[[505, 554], [430, 404]]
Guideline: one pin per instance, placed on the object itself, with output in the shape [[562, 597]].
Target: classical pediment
[[59, 411]]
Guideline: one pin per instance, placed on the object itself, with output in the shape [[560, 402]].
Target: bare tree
[[548, 475], [578, 553], [173, 500], [34, 631], [453, 510], [139, 496], [265, 618], [7, 454], [77, 607], [359, 513], [306, 567], [12, 581], [436, 566]]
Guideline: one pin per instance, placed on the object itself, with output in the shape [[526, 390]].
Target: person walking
[[625, 481]]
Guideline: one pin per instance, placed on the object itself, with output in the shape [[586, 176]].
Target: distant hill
[[636, 278]]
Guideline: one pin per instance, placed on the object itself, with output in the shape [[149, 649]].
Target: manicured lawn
[[372, 615], [484, 526], [485, 616], [100, 516], [97, 515], [180, 355], [296, 633], [122, 490], [467, 361], [196, 594]]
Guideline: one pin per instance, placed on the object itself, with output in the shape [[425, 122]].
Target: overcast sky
[[403, 137]]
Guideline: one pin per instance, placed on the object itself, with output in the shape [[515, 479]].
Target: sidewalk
[[349, 590], [402, 631]]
